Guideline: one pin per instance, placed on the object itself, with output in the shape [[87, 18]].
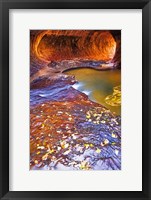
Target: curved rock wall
[[53, 45]]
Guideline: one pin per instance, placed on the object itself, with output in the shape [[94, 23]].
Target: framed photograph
[[75, 104]]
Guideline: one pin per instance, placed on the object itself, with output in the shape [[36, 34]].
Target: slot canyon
[[75, 100]]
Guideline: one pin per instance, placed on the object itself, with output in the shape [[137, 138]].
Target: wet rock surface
[[70, 132]]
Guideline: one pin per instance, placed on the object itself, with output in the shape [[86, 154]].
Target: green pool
[[97, 84]]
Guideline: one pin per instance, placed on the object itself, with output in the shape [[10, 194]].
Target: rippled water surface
[[97, 84]]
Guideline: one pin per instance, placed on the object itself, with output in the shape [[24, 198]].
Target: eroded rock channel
[[68, 131]]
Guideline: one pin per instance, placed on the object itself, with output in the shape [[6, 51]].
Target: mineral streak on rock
[[67, 130]]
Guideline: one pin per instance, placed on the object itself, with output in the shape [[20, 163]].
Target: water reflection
[[97, 84]]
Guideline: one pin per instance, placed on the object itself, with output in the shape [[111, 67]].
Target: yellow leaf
[[113, 143], [114, 135], [84, 165], [106, 141], [36, 161], [51, 151], [86, 145], [88, 116], [64, 145], [98, 150], [45, 156], [66, 152]]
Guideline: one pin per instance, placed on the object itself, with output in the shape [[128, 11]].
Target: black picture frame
[[5, 5]]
